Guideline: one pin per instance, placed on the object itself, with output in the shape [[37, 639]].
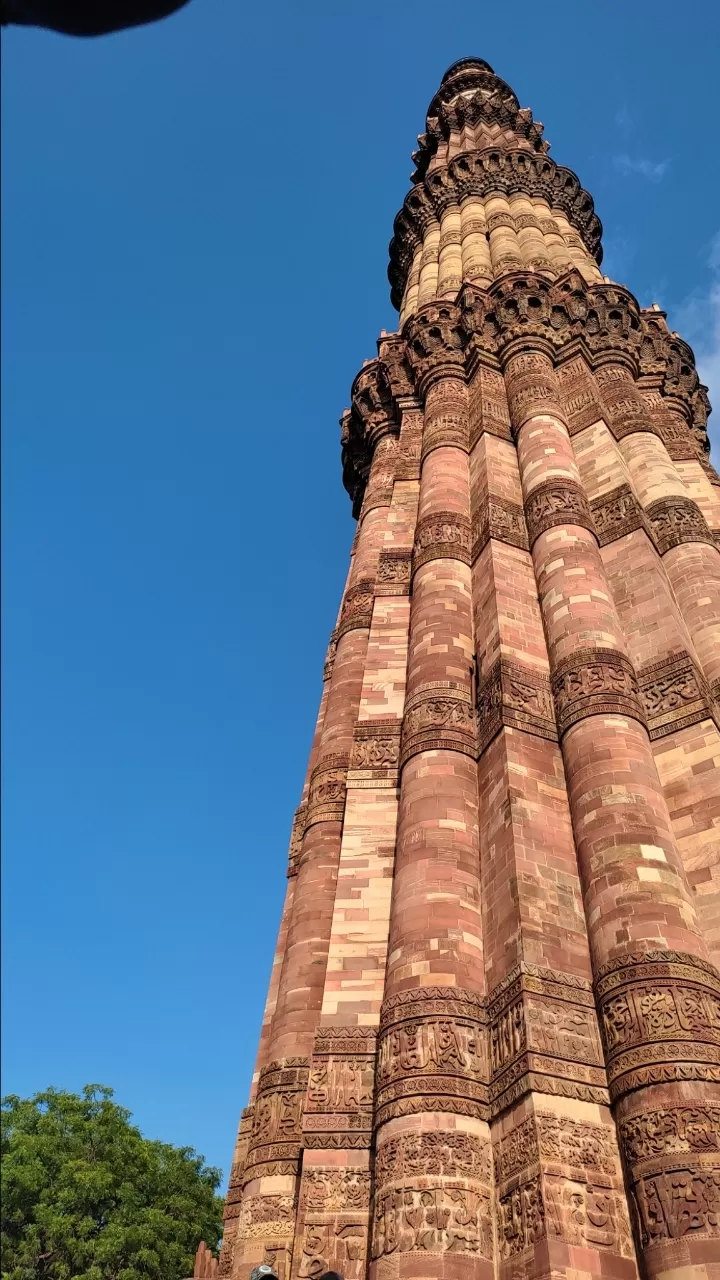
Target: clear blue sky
[[196, 219]]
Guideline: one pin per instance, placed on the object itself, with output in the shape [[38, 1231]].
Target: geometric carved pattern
[[674, 695], [616, 513], [660, 1019], [517, 696], [674, 520], [595, 682], [334, 1212], [556, 502], [502, 520]]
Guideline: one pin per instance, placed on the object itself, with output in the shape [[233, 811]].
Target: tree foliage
[[86, 1197]]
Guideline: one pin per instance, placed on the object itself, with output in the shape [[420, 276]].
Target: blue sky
[[196, 218]]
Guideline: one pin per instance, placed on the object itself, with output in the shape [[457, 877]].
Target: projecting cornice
[[481, 174], [603, 322]]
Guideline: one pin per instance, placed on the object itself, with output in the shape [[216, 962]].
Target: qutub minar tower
[[491, 1047]]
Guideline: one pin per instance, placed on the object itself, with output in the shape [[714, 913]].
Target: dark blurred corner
[[85, 17]]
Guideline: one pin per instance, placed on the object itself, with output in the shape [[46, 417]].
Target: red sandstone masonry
[[460, 1052]]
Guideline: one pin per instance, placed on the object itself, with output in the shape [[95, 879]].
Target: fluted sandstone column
[[645, 943], [548, 1088], [690, 557], [433, 1161]]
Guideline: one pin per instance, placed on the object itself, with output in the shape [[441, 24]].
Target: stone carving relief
[[276, 1134], [266, 1218], [432, 1219], [326, 797], [615, 514], [439, 715], [670, 1131], [556, 502], [544, 1036], [332, 1246], [432, 1054], [296, 839], [335, 1190], [660, 1019], [357, 607], [393, 573], [435, 343], [447, 1153], [679, 1204], [522, 1218], [339, 1100], [516, 696], [674, 695], [595, 682], [444, 535], [330, 657], [502, 520], [674, 520], [487, 405], [376, 747]]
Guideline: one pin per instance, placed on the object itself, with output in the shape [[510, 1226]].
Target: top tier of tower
[[486, 197]]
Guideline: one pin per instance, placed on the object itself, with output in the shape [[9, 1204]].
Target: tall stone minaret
[[491, 1046]]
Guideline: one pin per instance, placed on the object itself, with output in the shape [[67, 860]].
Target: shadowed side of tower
[[491, 1046]]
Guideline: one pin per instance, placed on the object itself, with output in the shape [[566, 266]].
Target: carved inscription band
[[326, 798], [442, 536], [660, 1019], [595, 682], [276, 1135], [517, 696], [556, 502], [438, 716]]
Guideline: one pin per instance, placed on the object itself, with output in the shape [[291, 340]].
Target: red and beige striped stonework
[[491, 1045]]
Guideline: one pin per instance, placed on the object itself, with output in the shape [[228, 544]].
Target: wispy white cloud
[[698, 321], [654, 172]]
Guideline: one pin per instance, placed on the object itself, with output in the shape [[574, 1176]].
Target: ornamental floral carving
[[595, 682], [556, 502], [670, 1131], [393, 573], [335, 1190]]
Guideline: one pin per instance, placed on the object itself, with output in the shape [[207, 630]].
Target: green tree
[[86, 1197]]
